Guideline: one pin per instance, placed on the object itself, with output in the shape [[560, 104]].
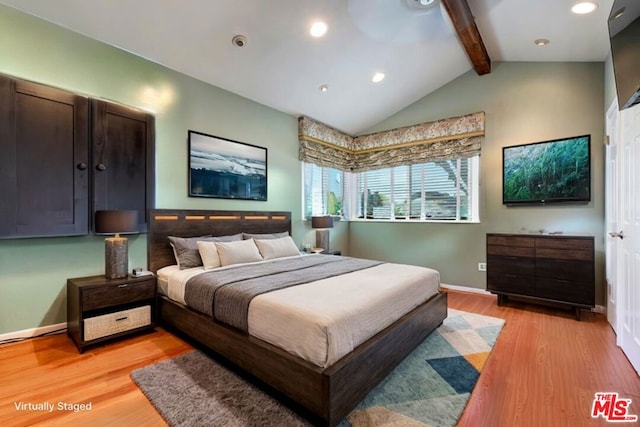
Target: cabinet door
[[43, 167], [123, 159]]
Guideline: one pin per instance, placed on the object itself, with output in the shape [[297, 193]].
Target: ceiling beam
[[468, 33]]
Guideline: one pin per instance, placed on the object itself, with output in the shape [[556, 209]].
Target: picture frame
[[226, 169]]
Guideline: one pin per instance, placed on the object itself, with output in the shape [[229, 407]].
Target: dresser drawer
[[511, 265], [513, 251], [127, 292], [509, 240], [510, 283], [565, 243], [576, 271], [113, 323], [566, 291], [580, 255]]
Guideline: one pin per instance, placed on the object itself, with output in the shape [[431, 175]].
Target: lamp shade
[[114, 222], [321, 222]]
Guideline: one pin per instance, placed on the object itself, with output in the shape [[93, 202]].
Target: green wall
[[523, 102], [33, 272]]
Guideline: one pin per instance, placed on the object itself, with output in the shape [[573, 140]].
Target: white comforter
[[324, 320]]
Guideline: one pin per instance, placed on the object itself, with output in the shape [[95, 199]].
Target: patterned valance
[[456, 137], [324, 146]]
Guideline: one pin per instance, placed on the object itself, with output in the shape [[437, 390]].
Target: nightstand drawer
[[126, 292], [113, 323]]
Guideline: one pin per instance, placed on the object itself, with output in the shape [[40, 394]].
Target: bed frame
[[326, 395]]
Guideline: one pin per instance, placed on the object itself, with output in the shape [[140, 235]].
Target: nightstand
[[100, 309]]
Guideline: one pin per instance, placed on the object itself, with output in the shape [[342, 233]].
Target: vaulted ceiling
[[419, 49]]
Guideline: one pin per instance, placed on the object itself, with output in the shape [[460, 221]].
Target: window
[[442, 190], [324, 190], [445, 190]]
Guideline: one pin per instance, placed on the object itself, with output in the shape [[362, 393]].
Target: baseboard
[[600, 309], [465, 289], [34, 332]]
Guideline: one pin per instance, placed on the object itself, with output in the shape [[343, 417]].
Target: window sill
[[415, 221]]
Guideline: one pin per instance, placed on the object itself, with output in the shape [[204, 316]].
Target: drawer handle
[[124, 285], [122, 318], [511, 276]]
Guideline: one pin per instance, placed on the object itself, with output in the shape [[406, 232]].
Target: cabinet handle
[[82, 166], [124, 285], [101, 167], [122, 318]]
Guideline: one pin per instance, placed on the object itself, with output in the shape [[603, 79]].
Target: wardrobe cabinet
[[123, 159], [44, 176], [64, 156]]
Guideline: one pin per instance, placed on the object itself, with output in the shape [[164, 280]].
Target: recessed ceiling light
[[239, 40], [541, 42], [324, 88], [420, 4], [318, 29], [377, 77], [583, 7]]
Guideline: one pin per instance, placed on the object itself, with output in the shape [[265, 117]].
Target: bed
[[324, 390]]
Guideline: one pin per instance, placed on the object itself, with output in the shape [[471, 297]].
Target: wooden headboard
[[191, 223]]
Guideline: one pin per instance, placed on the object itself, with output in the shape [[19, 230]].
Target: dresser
[[554, 268]]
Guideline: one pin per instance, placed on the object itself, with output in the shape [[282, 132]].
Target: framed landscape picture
[[226, 169]]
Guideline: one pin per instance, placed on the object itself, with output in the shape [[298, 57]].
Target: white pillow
[[238, 252], [277, 248], [209, 254]]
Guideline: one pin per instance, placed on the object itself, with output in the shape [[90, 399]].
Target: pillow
[[277, 248], [247, 236], [209, 254], [185, 249], [238, 252]]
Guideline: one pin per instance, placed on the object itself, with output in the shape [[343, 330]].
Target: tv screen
[[624, 35], [547, 171]]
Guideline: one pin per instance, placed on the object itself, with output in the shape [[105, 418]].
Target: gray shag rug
[[430, 387]]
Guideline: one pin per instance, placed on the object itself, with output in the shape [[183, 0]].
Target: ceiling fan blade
[[397, 21]]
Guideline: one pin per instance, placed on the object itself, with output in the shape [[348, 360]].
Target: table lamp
[[116, 254], [322, 224]]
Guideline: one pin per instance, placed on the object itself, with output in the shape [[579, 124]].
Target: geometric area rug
[[430, 387]]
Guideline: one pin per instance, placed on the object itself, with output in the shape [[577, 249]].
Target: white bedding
[[324, 320]]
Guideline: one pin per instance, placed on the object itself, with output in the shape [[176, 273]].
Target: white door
[[628, 268], [611, 212]]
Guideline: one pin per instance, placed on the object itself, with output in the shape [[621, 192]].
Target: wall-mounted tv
[[543, 172], [624, 34]]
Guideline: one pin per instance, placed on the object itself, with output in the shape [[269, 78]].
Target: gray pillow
[[266, 236], [185, 249]]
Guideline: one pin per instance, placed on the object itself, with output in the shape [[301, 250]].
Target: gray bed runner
[[225, 294]]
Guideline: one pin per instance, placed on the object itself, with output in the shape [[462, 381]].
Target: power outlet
[[482, 266]]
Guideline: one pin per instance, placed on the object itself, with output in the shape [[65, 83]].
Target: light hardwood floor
[[543, 371]]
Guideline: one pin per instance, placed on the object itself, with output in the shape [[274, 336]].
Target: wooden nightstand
[[100, 309]]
